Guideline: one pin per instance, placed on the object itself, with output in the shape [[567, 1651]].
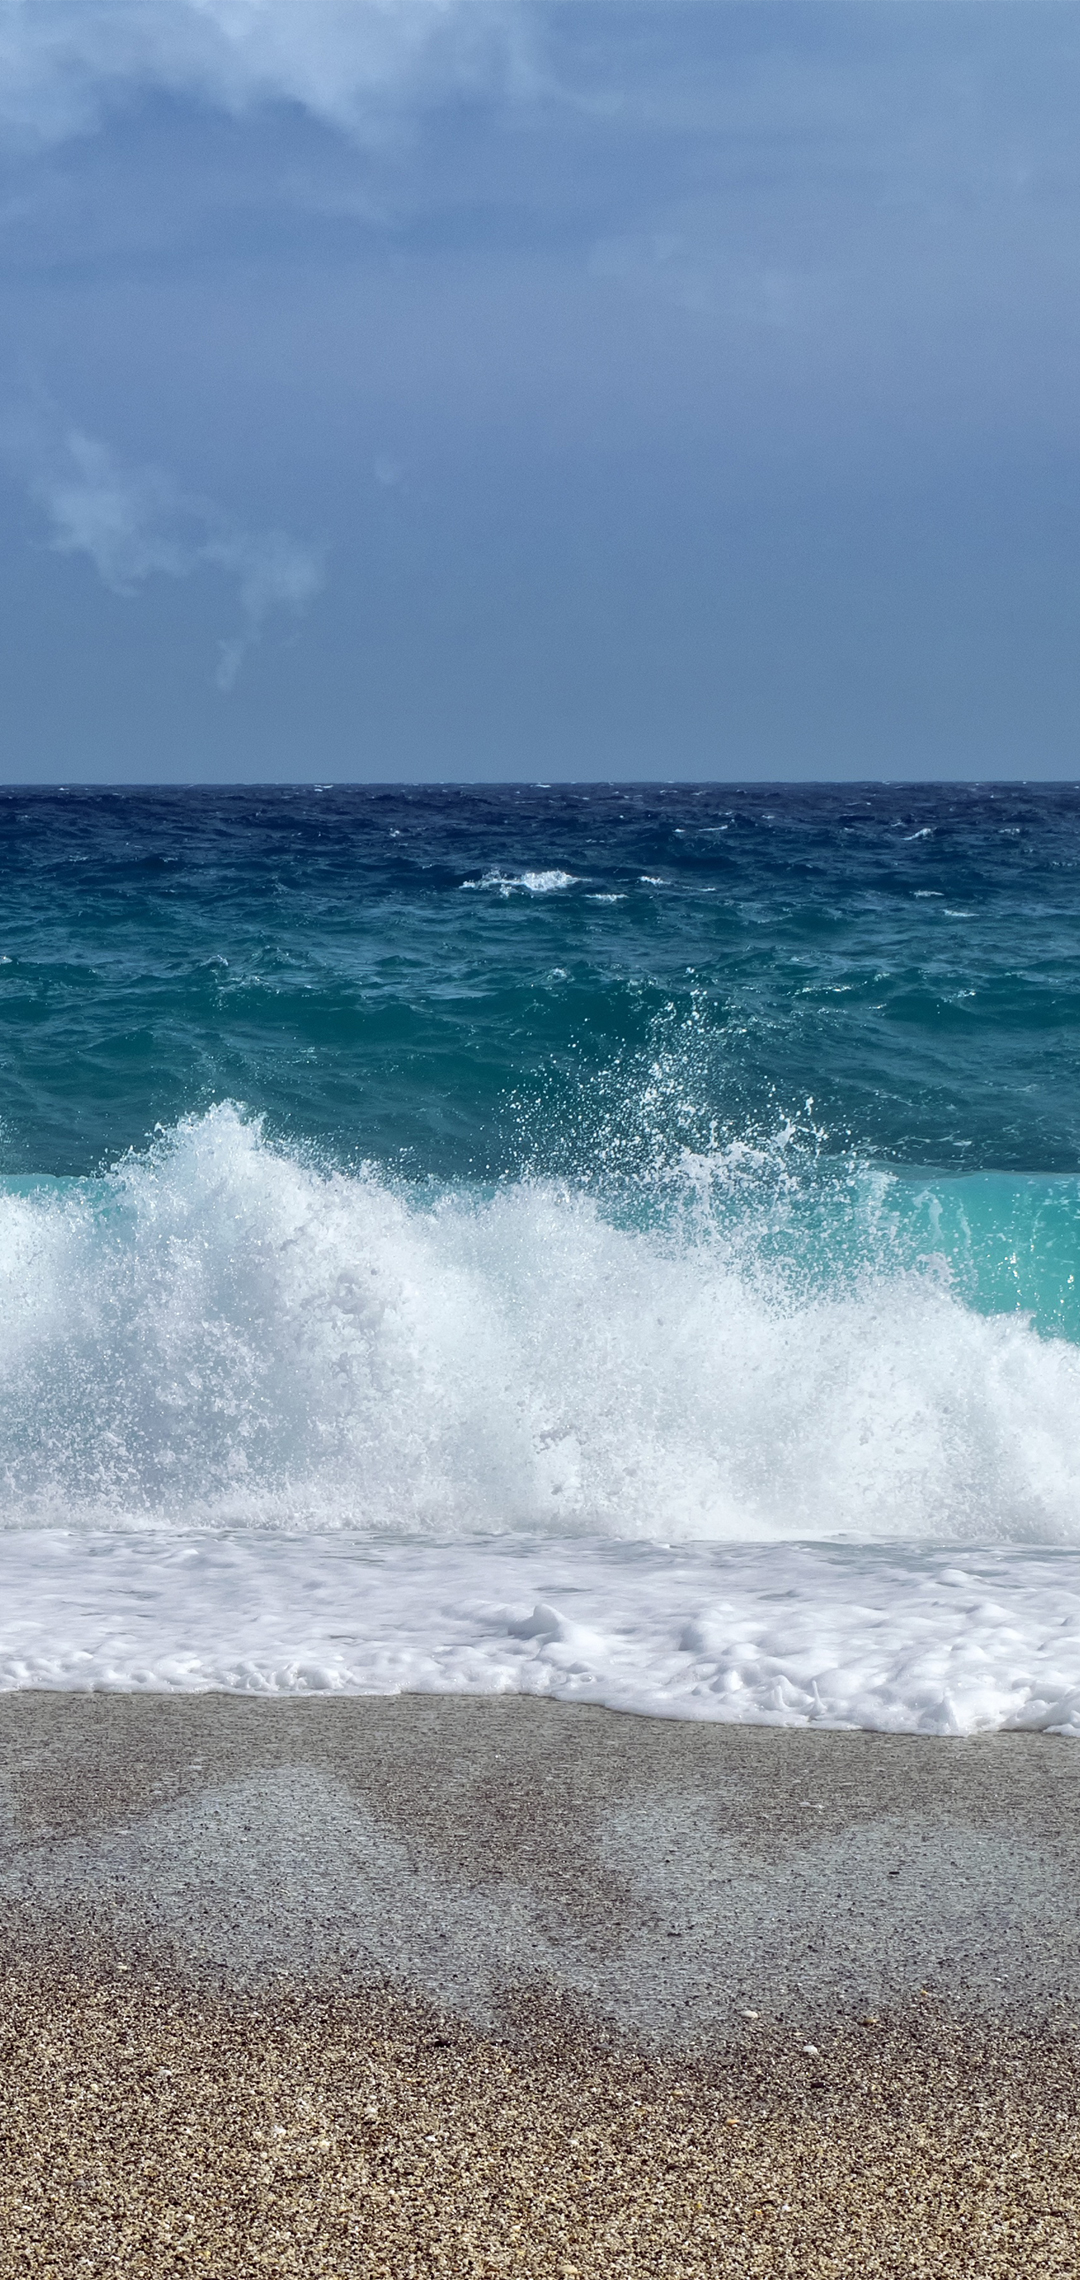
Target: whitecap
[[523, 882]]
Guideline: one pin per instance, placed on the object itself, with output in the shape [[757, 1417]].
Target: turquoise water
[[664, 1160]]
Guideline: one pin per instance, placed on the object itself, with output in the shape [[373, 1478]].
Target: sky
[[494, 389]]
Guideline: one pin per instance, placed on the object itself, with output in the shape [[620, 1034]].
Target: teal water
[[371, 970], [685, 1160]]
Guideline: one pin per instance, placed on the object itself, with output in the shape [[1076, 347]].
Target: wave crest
[[220, 1333]]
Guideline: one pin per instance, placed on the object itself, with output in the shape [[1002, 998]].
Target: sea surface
[[618, 1243]]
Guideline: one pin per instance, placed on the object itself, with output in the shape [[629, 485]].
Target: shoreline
[[894, 1636], [457, 1985]]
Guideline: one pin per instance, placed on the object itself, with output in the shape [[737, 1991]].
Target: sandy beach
[[440, 1985]]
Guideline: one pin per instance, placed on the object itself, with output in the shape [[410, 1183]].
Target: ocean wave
[[219, 1332], [523, 882]]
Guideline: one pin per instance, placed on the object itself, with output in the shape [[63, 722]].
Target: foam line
[[909, 1639]]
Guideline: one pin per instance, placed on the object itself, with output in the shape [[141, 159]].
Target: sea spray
[[219, 1331]]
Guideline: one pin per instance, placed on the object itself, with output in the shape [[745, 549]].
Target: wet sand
[[440, 1985]]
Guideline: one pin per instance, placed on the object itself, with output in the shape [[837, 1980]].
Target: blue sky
[[486, 389]]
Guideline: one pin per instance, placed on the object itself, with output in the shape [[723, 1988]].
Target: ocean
[[618, 1243]]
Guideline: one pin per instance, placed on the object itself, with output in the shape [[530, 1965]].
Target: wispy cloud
[[133, 523], [63, 63]]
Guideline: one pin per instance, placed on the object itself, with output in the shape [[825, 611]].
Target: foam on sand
[[908, 1640]]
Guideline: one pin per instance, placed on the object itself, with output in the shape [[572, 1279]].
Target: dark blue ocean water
[[458, 982]]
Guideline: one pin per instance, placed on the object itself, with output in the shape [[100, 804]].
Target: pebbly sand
[[439, 1985]]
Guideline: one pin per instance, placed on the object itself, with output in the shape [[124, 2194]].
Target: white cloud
[[63, 63], [133, 524]]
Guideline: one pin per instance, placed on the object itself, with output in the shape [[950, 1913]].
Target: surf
[[749, 1346]]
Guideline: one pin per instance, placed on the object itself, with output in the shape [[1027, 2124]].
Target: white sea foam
[[906, 1640], [271, 1427], [218, 1334]]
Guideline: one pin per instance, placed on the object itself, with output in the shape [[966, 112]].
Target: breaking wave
[[219, 1333]]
